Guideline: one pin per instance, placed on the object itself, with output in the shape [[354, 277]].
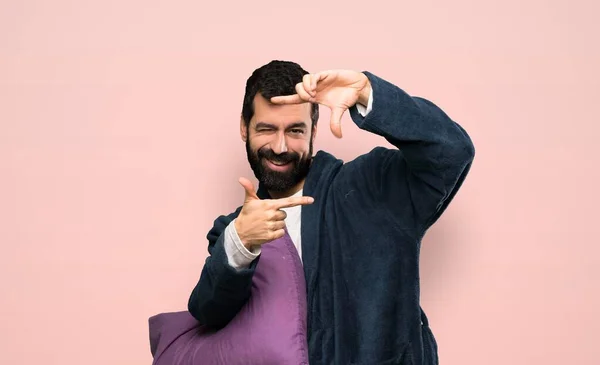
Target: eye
[[297, 131]]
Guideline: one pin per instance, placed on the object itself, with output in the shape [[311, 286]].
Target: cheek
[[258, 142], [300, 147]]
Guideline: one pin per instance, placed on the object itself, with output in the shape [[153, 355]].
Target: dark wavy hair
[[274, 79]]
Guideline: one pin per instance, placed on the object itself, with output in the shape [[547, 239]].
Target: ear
[[243, 130], [313, 135]]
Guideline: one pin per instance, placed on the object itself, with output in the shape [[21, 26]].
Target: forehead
[[265, 111]]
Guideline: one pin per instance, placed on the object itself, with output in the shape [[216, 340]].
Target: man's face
[[279, 143]]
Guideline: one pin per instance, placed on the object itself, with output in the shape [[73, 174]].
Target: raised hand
[[262, 221], [337, 89]]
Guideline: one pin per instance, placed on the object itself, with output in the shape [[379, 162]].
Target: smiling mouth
[[278, 166], [276, 163]]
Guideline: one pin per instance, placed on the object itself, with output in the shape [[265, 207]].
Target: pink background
[[119, 146]]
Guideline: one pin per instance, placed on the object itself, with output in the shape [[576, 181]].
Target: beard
[[279, 181]]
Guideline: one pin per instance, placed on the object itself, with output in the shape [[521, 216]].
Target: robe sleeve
[[222, 290], [432, 159]]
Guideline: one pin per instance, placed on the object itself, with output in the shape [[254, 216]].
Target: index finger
[[293, 202], [288, 99]]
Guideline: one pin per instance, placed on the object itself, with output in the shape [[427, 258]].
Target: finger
[[279, 215], [296, 98], [293, 202], [314, 80], [274, 235], [309, 85], [249, 189], [336, 121], [276, 225], [322, 76], [300, 90], [287, 99]]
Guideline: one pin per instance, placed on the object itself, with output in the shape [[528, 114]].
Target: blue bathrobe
[[361, 237]]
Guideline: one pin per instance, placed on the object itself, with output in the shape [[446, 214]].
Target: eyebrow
[[297, 125], [271, 126]]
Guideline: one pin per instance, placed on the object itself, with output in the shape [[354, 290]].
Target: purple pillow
[[269, 329]]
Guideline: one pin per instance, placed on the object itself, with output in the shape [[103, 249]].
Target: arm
[[226, 280], [433, 158], [222, 289]]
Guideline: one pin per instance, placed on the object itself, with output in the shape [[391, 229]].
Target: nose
[[279, 145]]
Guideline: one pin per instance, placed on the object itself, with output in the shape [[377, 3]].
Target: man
[[357, 226]]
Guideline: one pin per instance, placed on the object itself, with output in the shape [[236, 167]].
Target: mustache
[[282, 158]]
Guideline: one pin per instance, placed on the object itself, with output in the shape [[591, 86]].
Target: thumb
[[336, 121], [249, 189]]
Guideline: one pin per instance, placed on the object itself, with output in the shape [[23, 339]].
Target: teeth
[[278, 163]]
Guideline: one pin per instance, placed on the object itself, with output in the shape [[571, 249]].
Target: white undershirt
[[240, 257]]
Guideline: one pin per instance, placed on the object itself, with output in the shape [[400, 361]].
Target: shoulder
[[378, 154], [370, 171], [329, 168], [324, 162], [378, 159]]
